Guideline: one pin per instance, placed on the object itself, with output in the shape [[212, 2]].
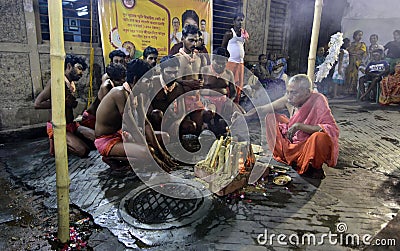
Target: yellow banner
[[156, 23]]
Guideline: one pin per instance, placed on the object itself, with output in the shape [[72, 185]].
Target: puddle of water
[[9, 215], [377, 117], [395, 142], [6, 216], [329, 221], [220, 213], [345, 123]]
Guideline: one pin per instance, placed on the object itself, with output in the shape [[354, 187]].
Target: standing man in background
[[233, 41]]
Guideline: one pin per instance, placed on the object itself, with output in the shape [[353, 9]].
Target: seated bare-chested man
[[109, 136], [117, 76], [73, 71], [167, 90], [218, 88], [189, 73]]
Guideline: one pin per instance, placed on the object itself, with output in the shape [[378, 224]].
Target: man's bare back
[[110, 111]]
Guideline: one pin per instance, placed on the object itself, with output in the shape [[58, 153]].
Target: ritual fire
[[227, 165]]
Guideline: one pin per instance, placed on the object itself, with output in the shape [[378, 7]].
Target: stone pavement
[[358, 198]]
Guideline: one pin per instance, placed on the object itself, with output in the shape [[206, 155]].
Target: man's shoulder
[[178, 55], [115, 92], [318, 97]]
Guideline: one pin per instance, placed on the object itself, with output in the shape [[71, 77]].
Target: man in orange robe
[[309, 138]]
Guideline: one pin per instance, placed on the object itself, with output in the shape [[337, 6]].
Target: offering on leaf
[[282, 180]]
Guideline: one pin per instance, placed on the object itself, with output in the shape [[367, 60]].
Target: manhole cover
[[145, 208]]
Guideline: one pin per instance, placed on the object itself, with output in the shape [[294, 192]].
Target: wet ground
[[362, 192]]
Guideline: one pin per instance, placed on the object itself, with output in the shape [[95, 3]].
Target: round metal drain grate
[[145, 208], [151, 207]]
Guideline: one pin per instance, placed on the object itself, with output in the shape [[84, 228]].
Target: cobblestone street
[[362, 195]]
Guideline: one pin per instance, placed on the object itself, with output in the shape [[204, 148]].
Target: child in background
[[338, 76]]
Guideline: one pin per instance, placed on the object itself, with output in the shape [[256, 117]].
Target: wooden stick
[[57, 55], [314, 39]]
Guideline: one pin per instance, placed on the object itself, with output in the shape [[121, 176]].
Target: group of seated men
[[140, 107]]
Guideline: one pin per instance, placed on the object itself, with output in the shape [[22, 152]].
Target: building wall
[[255, 23], [25, 65], [267, 22]]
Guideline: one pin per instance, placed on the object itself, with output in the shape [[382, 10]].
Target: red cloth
[[193, 102], [317, 148], [71, 127], [218, 101], [238, 72], [105, 143], [390, 88], [88, 120]]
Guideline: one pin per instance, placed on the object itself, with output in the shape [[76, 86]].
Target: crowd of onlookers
[[368, 72]]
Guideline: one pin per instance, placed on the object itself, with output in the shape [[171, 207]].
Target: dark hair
[[239, 14], [261, 55], [190, 14], [356, 33], [374, 35], [220, 51], [136, 68], [203, 20], [345, 40], [149, 50], [189, 29], [116, 53], [169, 61], [72, 60], [116, 71]]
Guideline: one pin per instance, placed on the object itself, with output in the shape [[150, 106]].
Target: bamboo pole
[[57, 56], [314, 39]]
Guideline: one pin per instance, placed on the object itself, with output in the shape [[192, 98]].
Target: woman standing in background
[[357, 52]]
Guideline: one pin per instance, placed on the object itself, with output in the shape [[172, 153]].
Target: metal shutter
[[277, 32], [223, 12]]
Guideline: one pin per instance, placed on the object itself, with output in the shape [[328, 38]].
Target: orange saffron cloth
[[315, 149], [238, 72]]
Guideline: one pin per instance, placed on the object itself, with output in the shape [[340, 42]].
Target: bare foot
[[314, 173], [318, 174], [117, 163]]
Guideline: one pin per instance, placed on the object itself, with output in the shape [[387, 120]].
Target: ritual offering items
[[282, 180], [227, 166]]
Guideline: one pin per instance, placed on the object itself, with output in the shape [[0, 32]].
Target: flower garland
[[334, 49]]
